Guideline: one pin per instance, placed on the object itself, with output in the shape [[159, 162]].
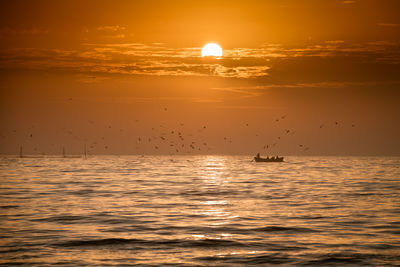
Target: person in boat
[[267, 157], [258, 155]]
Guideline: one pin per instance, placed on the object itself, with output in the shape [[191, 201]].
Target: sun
[[211, 50]]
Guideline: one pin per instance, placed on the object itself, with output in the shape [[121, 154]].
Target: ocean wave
[[154, 243], [275, 258], [65, 219], [285, 229], [9, 207]]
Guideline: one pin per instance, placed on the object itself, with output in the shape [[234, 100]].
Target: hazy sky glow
[[106, 73]]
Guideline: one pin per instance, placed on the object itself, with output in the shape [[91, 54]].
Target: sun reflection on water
[[212, 170], [213, 207]]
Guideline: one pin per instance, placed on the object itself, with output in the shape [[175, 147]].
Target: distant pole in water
[[84, 151], [20, 152], [63, 152]]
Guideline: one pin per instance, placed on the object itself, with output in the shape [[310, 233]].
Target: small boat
[[272, 159]]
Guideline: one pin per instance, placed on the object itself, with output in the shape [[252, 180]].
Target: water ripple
[[199, 210]]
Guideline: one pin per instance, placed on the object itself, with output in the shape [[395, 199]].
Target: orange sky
[[106, 73]]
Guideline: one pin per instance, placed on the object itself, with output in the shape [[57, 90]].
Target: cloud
[[113, 28], [160, 60], [252, 91], [257, 90], [383, 43], [131, 59], [334, 42], [113, 31], [241, 71], [117, 36]]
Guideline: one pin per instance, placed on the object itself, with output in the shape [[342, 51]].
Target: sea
[[205, 210]]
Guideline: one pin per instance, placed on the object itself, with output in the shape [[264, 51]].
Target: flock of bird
[[179, 140]]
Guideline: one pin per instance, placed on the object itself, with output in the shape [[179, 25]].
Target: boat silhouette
[[267, 159]]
